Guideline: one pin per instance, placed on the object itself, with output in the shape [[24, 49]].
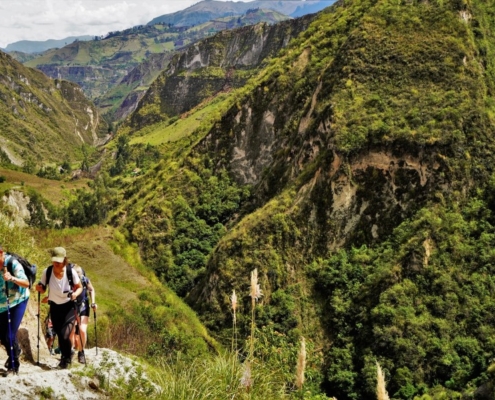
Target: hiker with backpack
[[64, 286], [14, 297], [84, 311]]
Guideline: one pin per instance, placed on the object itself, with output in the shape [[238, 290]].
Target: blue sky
[[58, 19]]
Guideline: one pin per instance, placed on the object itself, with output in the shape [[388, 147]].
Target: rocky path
[[78, 382]]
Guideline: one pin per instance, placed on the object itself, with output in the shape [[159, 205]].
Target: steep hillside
[[213, 65], [355, 172], [134, 85], [42, 119]]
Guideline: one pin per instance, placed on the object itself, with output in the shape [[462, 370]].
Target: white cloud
[[57, 19]]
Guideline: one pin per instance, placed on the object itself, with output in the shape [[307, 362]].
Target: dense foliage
[[370, 213]]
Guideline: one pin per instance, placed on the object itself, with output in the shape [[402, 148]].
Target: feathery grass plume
[[301, 364], [255, 295], [246, 379], [233, 300], [381, 392]]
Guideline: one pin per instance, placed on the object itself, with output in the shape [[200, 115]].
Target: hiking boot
[[7, 363], [64, 363], [81, 358], [11, 372]]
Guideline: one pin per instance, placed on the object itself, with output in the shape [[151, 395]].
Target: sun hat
[[59, 254]]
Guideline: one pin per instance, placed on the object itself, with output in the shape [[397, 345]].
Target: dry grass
[[51, 190]]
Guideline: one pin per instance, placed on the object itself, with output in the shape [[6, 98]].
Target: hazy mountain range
[[210, 9], [34, 46]]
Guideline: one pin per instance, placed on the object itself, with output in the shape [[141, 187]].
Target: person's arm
[[19, 277], [93, 294], [77, 290]]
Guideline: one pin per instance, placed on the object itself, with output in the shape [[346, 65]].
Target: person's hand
[[94, 306], [45, 300], [40, 288], [6, 275], [73, 296]]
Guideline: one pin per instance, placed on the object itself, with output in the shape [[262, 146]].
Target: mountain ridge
[[204, 11], [39, 46]]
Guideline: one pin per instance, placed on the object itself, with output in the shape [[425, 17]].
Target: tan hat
[[59, 254]]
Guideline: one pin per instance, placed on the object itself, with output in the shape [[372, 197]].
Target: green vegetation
[[408, 286], [369, 147], [175, 129]]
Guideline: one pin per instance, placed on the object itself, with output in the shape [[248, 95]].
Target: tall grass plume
[[233, 301], [301, 364], [255, 295], [381, 392]]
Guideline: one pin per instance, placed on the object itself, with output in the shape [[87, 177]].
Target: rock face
[[96, 80], [16, 206], [216, 64]]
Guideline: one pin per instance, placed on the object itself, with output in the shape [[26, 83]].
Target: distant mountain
[[116, 70], [310, 7], [33, 46], [208, 10]]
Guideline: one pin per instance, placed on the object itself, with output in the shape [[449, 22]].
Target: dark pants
[[16, 314], [63, 320]]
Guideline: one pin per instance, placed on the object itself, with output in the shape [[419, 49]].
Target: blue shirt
[[17, 294]]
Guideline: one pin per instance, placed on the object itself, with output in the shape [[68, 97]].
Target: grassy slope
[[42, 119], [51, 190], [186, 125], [120, 278]]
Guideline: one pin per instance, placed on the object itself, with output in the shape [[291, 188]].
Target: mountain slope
[[220, 63], [134, 85], [43, 119], [355, 172]]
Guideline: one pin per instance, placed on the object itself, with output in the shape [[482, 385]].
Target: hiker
[[64, 287], [79, 341], [16, 286]]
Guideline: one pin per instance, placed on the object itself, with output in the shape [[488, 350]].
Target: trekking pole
[[39, 303], [78, 333], [12, 360], [96, 335]]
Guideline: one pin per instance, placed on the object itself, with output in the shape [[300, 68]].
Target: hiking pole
[[39, 303], [96, 335], [12, 361], [78, 324]]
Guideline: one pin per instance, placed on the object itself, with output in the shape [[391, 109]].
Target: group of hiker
[[69, 296]]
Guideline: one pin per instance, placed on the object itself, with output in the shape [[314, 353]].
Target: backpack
[[29, 269], [84, 294]]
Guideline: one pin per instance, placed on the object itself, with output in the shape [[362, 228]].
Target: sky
[[57, 19]]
